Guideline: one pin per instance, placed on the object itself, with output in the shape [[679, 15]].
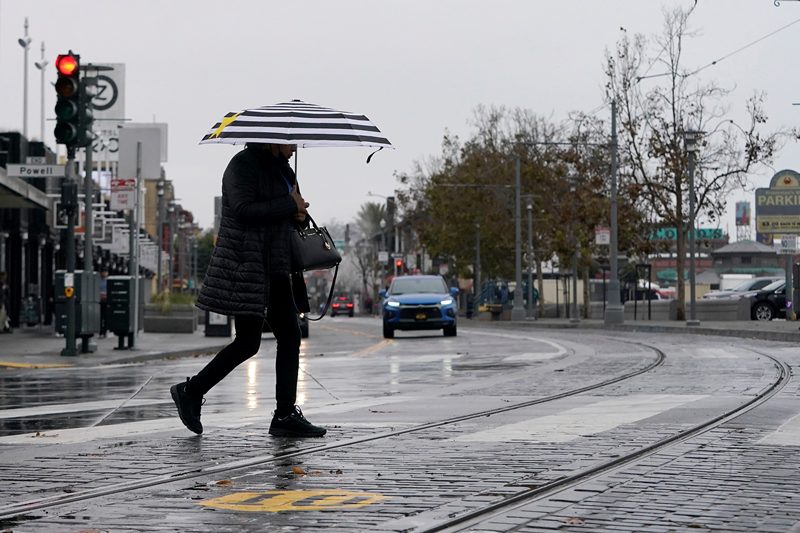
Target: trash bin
[[120, 309], [217, 325]]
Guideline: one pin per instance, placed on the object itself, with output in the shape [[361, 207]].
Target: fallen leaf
[[574, 521], [315, 473], [224, 482], [298, 471]]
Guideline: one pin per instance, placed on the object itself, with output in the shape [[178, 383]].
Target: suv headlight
[[392, 303], [447, 301]]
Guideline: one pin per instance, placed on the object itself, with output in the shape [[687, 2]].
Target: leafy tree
[[656, 109]]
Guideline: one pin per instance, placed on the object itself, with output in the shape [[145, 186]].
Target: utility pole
[[530, 258], [615, 313], [517, 311], [478, 287], [133, 260]]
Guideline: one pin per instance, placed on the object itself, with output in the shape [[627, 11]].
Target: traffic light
[[398, 267], [68, 102]]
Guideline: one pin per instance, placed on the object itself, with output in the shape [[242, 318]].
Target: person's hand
[[302, 205]]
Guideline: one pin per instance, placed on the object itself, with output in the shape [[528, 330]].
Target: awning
[[18, 193]]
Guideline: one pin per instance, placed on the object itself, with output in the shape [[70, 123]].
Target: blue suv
[[419, 302]]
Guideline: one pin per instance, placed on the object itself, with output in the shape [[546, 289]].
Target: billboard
[[778, 207], [743, 213]]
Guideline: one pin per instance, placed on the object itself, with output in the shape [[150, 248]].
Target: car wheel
[[450, 331], [351, 314], [388, 332], [763, 311]]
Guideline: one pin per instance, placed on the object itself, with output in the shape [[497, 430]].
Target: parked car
[[419, 303], [302, 321], [342, 304], [770, 302], [742, 289]]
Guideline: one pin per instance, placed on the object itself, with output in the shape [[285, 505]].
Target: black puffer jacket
[[253, 240]]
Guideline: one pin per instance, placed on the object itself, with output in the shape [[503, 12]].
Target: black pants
[[282, 318]]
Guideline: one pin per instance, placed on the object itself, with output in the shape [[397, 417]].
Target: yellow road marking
[[364, 351], [369, 350], [36, 365], [273, 501]]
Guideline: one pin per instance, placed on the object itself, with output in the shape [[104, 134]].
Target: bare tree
[[655, 112]]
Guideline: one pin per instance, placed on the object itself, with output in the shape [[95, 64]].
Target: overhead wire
[[704, 67]]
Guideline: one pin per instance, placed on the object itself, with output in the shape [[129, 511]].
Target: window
[[747, 260]]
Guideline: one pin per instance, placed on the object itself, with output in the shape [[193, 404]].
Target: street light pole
[[530, 258], [690, 140], [160, 233], [171, 223], [41, 66], [517, 311], [573, 315], [478, 287], [615, 313], [25, 43]]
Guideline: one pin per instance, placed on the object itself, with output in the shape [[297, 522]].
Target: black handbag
[[313, 249]]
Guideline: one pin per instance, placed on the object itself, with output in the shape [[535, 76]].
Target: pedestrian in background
[[249, 277], [5, 326], [103, 303]]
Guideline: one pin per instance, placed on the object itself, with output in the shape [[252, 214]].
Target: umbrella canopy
[[299, 123]]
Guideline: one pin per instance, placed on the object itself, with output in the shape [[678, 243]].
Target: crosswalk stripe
[[788, 434], [585, 420]]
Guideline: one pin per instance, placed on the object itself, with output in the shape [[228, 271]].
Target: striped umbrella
[[299, 123]]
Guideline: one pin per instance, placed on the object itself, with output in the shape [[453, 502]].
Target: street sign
[[602, 236], [123, 194], [788, 245], [36, 171], [36, 160], [383, 257]]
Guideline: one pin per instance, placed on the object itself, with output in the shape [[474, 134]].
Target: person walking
[[250, 277]]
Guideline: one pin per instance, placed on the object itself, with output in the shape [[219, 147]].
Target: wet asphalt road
[[94, 433]]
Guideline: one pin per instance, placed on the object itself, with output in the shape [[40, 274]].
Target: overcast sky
[[415, 68]]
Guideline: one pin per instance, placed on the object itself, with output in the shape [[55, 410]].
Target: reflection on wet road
[[58, 399]]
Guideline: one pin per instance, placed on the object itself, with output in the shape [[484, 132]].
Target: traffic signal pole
[[69, 204]]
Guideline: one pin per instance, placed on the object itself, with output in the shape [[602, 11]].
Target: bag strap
[[327, 304]]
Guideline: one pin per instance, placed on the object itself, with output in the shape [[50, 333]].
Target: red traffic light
[[398, 263], [66, 64]]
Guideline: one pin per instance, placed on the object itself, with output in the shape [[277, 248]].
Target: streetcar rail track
[[16, 509], [472, 518]]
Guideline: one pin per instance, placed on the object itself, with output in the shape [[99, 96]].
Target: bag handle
[[327, 304]]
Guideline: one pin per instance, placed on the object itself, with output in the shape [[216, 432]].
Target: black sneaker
[[188, 406], [294, 425]]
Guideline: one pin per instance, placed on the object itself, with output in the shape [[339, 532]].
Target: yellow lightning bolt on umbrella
[[223, 125]]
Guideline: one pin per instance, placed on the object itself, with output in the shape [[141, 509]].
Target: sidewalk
[[38, 347], [775, 330]]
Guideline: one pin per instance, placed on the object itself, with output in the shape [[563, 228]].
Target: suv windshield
[[410, 285]]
